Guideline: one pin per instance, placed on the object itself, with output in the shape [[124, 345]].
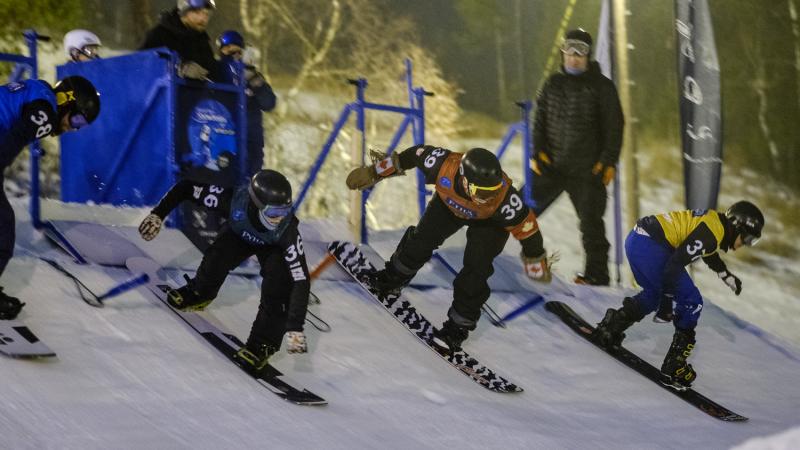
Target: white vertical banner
[[603, 50], [700, 103]]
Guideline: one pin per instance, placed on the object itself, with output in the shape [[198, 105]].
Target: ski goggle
[[91, 51], [200, 4], [483, 192], [749, 233], [77, 121], [750, 240], [575, 47], [274, 214]]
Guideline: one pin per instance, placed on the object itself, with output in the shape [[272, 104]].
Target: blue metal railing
[[414, 114]]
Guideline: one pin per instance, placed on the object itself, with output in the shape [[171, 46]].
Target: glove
[[296, 342], [253, 78], [608, 172], [382, 166], [664, 313], [537, 268], [191, 69], [540, 162], [732, 281], [150, 227]]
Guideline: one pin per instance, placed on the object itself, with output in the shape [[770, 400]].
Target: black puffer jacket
[[579, 121], [190, 45]]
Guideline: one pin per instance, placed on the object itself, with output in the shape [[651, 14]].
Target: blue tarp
[[153, 129], [124, 156]]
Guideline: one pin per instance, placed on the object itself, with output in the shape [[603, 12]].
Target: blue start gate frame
[[413, 115]]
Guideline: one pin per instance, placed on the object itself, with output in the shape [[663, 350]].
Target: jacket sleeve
[[427, 158], [699, 243], [715, 263], [36, 121], [263, 94], [181, 191], [540, 120], [613, 124], [212, 197], [295, 260]]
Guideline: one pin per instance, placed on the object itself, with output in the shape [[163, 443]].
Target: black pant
[[485, 241], [7, 230], [226, 253], [588, 195]]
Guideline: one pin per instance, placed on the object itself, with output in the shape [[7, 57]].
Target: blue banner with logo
[[700, 103], [206, 134]]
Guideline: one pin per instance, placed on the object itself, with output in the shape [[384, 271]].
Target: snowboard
[[225, 342], [18, 341], [350, 257], [689, 395]]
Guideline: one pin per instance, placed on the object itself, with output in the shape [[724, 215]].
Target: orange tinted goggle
[[483, 192]]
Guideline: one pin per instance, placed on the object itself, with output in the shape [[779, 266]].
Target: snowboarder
[[473, 191], [30, 110], [261, 222], [260, 96], [658, 248]]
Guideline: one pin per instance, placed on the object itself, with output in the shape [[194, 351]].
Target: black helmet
[[77, 97], [747, 221], [271, 194], [482, 171], [578, 41]]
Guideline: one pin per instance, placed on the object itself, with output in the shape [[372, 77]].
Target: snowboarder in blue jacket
[[30, 110]]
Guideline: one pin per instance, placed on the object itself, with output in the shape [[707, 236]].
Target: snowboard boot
[[186, 298], [253, 358], [449, 337], [9, 306], [389, 280], [681, 374], [610, 331], [591, 280]]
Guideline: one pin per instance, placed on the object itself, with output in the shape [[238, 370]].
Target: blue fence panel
[[125, 156]]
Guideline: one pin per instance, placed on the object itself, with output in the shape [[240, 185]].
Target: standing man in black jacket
[[183, 30], [577, 137]]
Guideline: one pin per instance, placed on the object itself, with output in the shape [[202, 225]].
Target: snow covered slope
[[132, 376]]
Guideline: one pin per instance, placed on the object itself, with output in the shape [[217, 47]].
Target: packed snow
[[131, 375]]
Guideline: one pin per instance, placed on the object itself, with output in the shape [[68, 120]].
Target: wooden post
[[630, 174]]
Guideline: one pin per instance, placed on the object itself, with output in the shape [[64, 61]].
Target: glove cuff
[[386, 166]]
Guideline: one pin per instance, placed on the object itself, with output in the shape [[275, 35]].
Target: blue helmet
[[186, 5], [230, 37]]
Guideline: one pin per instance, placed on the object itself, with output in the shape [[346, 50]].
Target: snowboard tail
[[18, 341]]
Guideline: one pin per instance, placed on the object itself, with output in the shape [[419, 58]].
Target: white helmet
[[76, 40]]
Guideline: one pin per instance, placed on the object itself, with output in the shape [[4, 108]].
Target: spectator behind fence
[[30, 110], [260, 96], [82, 45], [577, 136], [183, 30]]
